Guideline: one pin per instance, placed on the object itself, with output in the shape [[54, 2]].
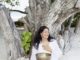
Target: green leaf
[[26, 40], [8, 1]]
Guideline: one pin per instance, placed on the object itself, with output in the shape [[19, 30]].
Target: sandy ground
[[73, 54]]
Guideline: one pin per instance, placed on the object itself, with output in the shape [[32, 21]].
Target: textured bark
[[41, 12], [10, 48], [59, 12], [38, 10]]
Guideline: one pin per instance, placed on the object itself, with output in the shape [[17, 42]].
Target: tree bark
[[38, 9], [10, 48], [60, 11]]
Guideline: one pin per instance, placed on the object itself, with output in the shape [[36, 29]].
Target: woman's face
[[45, 34]]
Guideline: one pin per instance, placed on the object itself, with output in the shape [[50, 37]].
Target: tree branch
[[63, 17], [19, 11]]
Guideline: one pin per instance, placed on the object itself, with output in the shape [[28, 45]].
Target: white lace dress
[[56, 52]]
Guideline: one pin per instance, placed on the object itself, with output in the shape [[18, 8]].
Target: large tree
[[51, 13]]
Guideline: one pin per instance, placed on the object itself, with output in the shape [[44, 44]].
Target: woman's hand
[[47, 47]]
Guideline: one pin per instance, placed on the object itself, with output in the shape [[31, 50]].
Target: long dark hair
[[37, 37]]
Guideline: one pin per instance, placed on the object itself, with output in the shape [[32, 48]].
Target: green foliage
[[67, 22], [77, 15], [8, 1], [52, 1], [11, 2], [74, 22], [76, 19], [26, 41], [19, 24]]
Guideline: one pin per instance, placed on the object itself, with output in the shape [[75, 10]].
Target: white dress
[[56, 52]]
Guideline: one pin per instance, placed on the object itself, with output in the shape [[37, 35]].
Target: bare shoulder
[[53, 41]]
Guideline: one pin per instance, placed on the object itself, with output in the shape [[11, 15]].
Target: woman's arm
[[47, 48]]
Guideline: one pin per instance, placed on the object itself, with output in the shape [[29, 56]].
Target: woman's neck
[[44, 40]]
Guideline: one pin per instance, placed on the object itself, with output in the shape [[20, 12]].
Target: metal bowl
[[43, 56]]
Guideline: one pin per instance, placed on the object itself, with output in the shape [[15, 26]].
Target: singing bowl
[[43, 56]]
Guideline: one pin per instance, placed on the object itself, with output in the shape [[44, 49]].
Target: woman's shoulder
[[53, 41]]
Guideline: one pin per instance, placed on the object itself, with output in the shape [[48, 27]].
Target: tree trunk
[[58, 13], [38, 10], [10, 48], [42, 12]]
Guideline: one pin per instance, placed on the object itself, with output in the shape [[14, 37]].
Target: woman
[[43, 43]]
